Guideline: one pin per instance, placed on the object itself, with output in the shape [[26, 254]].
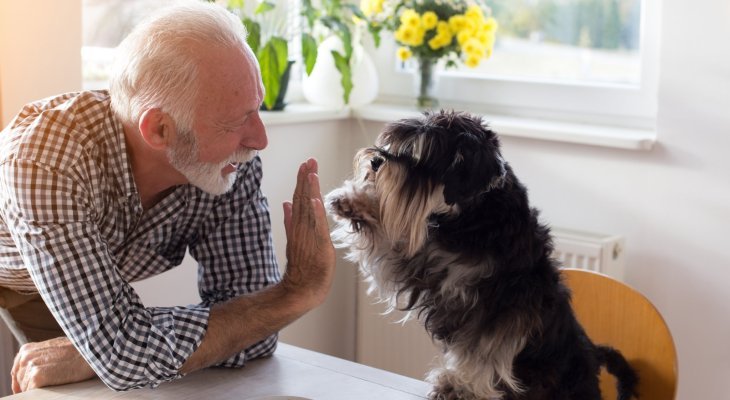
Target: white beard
[[205, 175]]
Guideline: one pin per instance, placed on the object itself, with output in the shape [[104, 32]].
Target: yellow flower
[[463, 36], [471, 61], [370, 7], [438, 42], [490, 25], [473, 47], [457, 23], [470, 25], [485, 38], [447, 37], [410, 36], [410, 18], [404, 34], [475, 13], [404, 53], [429, 20], [468, 34], [419, 34], [443, 26]]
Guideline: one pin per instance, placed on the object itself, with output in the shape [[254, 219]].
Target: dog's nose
[[332, 202]]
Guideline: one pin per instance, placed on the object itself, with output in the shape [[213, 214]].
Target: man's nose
[[256, 136]]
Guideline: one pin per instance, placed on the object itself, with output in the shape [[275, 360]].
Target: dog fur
[[441, 227]]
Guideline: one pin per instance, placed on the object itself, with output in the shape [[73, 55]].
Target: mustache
[[241, 156]]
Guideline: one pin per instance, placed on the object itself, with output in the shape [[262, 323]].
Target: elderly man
[[100, 189]]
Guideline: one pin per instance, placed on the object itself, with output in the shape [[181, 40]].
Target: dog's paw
[[444, 392], [354, 206], [341, 207]]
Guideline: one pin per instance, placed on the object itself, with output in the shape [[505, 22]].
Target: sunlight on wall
[[39, 51]]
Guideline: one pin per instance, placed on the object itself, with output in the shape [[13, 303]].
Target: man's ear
[[157, 128]]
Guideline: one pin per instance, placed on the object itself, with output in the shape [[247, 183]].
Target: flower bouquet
[[461, 32]]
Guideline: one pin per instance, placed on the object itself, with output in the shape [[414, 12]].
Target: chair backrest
[[615, 314]]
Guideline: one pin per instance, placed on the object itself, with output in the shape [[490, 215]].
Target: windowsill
[[637, 139], [296, 113]]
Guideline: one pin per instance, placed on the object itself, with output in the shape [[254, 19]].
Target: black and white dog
[[442, 227]]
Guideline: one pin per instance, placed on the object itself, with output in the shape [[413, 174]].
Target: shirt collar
[[120, 165]]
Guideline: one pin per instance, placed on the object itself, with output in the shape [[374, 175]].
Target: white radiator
[[592, 251], [406, 349]]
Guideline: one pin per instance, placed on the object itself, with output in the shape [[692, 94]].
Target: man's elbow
[[123, 379]]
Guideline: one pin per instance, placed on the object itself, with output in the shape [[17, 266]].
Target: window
[[579, 60], [105, 24], [579, 41]]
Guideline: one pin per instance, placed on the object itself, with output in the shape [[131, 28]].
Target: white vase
[[323, 86]]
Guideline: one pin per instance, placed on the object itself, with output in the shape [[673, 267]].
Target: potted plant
[[460, 32], [326, 20], [267, 37]]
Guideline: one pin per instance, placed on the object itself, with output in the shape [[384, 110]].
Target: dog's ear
[[477, 167]]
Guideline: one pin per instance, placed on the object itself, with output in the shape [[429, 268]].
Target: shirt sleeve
[[52, 219], [237, 255]]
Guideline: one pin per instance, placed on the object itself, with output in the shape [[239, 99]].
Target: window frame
[[600, 103]]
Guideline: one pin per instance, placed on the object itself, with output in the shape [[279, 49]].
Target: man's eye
[[376, 162]]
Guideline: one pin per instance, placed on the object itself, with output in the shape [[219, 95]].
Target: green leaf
[[270, 76], [356, 10], [375, 32], [281, 47], [264, 6], [343, 65], [332, 23], [346, 37], [254, 34], [332, 7], [235, 4], [309, 12], [309, 52], [342, 30]]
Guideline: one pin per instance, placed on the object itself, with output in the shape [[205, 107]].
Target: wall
[[36, 39], [672, 204]]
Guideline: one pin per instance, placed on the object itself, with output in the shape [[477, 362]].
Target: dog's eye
[[376, 162]]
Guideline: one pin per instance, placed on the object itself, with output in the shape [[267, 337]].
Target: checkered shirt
[[72, 228]]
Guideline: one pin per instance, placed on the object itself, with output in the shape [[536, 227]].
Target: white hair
[[156, 66]]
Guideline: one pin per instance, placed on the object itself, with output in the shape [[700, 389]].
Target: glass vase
[[425, 83]]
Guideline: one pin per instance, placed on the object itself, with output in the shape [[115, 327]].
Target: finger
[[320, 215], [35, 378], [314, 193], [16, 362], [313, 165], [17, 371], [301, 183], [287, 218], [15, 383], [28, 374], [314, 190], [300, 193]]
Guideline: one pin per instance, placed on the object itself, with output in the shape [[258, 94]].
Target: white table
[[291, 371]]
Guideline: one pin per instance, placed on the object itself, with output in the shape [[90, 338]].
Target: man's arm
[[233, 325], [247, 319]]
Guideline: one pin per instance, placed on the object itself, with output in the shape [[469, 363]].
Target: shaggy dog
[[441, 227]]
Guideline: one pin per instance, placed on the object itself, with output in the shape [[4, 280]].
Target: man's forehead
[[230, 85]]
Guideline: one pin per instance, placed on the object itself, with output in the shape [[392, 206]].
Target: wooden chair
[[615, 314]]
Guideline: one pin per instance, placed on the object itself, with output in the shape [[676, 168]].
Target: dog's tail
[[626, 378]]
